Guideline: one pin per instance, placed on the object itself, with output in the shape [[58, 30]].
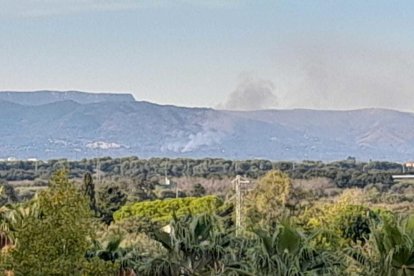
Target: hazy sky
[[228, 54]]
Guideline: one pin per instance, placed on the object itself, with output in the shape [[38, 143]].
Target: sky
[[234, 54]]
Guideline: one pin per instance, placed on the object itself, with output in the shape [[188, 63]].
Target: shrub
[[162, 210]]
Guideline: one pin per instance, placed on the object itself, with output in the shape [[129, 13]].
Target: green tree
[[89, 191], [110, 199], [7, 194], [55, 232], [198, 190], [267, 201]]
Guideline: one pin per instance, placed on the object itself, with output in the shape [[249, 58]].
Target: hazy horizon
[[239, 55], [218, 107]]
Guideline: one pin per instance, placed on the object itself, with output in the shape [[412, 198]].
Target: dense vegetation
[[296, 219], [346, 173], [162, 210]]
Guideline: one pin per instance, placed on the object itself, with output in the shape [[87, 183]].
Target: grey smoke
[[213, 127], [200, 139], [252, 94], [341, 73], [193, 141]]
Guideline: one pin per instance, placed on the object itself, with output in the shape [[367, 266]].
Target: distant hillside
[[76, 129], [45, 97]]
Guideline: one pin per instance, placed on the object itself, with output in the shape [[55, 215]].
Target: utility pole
[[237, 184], [176, 190], [36, 166], [98, 170]]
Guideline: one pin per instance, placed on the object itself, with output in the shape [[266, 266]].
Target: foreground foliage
[[286, 251], [52, 233], [61, 232]]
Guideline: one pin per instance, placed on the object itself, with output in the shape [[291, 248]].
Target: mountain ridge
[[40, 97], [74, 128]]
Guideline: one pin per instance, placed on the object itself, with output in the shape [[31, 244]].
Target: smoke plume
[[335, 73], [213, 126], [252, 94]]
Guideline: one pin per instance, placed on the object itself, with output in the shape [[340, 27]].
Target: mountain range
[[74, 125]]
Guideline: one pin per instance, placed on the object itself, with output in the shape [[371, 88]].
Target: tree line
[[345, 173]]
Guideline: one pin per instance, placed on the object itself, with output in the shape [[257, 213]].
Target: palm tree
[[390, 250], [286, 251], [195, 245], [11, 218], [5, 239], [111, 251]]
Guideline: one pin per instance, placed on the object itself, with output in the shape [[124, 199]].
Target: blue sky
[[228, 54]]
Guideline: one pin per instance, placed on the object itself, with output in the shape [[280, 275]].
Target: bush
[[162, 210]]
